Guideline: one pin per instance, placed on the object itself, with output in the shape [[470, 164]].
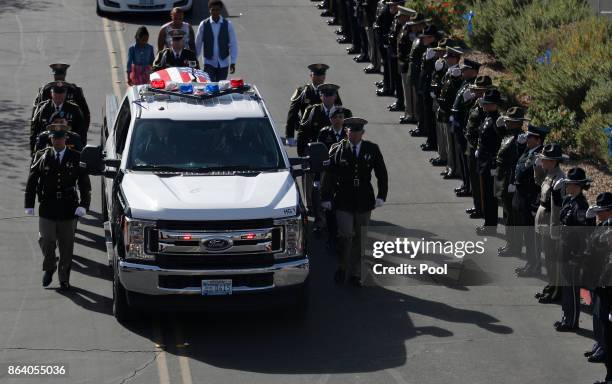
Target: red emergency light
[[235, 83], [158, 84], [248, 236], [187, 236]]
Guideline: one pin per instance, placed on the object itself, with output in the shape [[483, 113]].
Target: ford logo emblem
[[216, 244]]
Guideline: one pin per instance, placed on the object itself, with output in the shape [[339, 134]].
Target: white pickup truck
[[199, 197]]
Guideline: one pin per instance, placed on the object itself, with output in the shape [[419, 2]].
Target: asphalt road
[[417, 334]]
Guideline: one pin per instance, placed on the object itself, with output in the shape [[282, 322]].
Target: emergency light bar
[[198, 91]]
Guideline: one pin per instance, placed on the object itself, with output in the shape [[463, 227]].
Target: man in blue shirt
[[216, 40]]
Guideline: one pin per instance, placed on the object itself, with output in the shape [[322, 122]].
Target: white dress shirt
[[61, 154], [217, 61], [358, 146]]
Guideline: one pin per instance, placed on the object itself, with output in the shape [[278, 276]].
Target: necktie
[[355, 151], [57, 158]]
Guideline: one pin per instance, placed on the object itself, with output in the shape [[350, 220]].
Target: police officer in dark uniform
[[459, 114], [573, 244], [73, 140], [507, 157], [429, 36], [303, 97], [409, 52], [370, 11], [73, 92], [486, 154], [476, 116], [54, 176], [48, 108], [440, 68], [386, 11], [347, 188], [394, 72], [528, 178], [176, 55]]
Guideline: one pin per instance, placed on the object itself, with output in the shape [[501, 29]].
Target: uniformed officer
[[347, 188], [476, 116], [73, 140], [54, 176], [426, 39], [459, 115], [177, 55], [370, 13], [440, 69], [303, 97], [382, 28], [451, 82], [409, 52], [547, 219], [528, 177], [73, 92], [46, 109], [573, 244], [507, 157], [486, 154], [399, 20]]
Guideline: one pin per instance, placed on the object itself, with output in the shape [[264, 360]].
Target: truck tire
[[121, 308]]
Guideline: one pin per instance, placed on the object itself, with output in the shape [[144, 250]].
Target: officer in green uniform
[[54, 176], [347, 188], [73, 140], [409, 52], [507, 157], [303, 97], [48, 108], [73, 92], [440, 68]]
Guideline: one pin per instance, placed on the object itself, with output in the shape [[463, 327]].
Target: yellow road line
[[162, 363], [182, 353], [111, 56]]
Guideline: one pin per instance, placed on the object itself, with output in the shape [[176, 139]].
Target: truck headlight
[[134, 233], [293, 235]]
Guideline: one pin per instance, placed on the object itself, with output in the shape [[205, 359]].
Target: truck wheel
[[121, 308]]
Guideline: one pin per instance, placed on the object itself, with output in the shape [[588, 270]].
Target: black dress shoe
[[507, 251], [476, 215], [333, 22], [343, 40], [355, 281], [597, 357], [47, 277], [64, 286], [384, 92], [485, 230], [352, 50], [395, 107], [339, 276], [470, 210], [320, 6], [459, 189], [371, 69], [361, 59], [417, 132], [437, 162], [326, 13], [463, 193], [339, 31], [428, 147], [379, 83], [562, 327], [448, 176]]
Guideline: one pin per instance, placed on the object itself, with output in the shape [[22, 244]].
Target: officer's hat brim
[[318, 69], [355, 124], [595, 209], [581, 181], [59, 68]]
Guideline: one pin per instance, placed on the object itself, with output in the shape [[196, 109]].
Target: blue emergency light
[[186, 88], [212, 88]]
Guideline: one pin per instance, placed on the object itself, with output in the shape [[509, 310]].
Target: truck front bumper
[[144, 279]]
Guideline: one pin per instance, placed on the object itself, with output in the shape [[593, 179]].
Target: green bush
[[591, 139], [599, 98]]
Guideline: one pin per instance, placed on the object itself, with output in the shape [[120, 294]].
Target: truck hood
[[201, 197]]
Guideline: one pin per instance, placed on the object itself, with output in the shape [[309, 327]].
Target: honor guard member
[[73, 140], [596, 276], [54, 176], [476, 116], [73, 92], [459, 114], [507, 157], [440, 68], [382, 28], [347, 188], [547, 219], [451, 82], [486, 154], [428, 37], [303, 97], [403, 15], [409, 52], [528, 177], [177, 55], [48, 108], [573, 244]]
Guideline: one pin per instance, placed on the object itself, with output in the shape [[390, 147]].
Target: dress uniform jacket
[[347, 183], [315, 118], [507, 158], [547, 217], [73, 141], [328, 136], [475, 118], [394, 34], [382, 22], [42, 116], [405, 44], [73, 94], [302, 98], [437, 77], [166, 59], [488, 143], [55, 184], [573, 218], [417, 53], [596, 263], [446, 97]]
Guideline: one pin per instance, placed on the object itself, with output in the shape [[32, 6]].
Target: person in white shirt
[[164, 40], [216, 41]]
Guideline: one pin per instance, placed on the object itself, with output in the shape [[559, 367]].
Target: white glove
[[429, 54], [439, 64], [80, 211], [468, 95], [326, 205], [610, 317], [379, 203], [29, 211], [433, 95], [291, 142], [451, 119], [558, 185], [476, 154], [511, 188], [500, 122], [522, 138], [538, 162], [493, 172], [455, 72]]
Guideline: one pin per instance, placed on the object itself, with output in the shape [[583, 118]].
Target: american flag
[[180, 75]]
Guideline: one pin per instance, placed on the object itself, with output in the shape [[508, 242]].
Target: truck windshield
[[174, 145]]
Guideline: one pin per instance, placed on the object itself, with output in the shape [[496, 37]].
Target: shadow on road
[[91, 268], [89, 300]]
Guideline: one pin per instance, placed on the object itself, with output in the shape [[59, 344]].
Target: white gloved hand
[[29, 211], [455, 72], [379, 203], [433, 95], [80, 211], [538, 162], [451, 119], [468, 95], [558, 185], [439, 64], [493, 172], [610, 317], [429, 54], [476, 154], [511, 188], [326, 205], [500, 122], [522, 138], [291, 142]]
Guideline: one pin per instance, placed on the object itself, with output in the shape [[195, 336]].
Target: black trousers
[[384, 58], [524, 231], [460, 148], [215, 73], [488, 200], [510, 221], [427, 119], [396, 79]]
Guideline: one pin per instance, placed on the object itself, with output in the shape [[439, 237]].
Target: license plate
[[146, 2], [216, 287]]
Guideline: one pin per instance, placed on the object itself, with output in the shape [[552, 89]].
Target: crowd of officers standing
[[500, 158]]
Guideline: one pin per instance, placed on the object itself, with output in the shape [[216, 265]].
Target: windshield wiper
[[159, 168], [237, 168]]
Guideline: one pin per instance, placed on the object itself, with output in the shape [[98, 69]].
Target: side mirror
[[91, 159], [317, 154]]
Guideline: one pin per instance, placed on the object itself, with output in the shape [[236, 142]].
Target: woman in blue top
[[140, 58]]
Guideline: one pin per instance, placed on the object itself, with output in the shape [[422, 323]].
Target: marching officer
[[573, 219], [486, 154], [528, 177], [547, 219], [303, 97], [48, 108], [73, 92], [507, 157], [347, 188], [73, 140], [177, 55], [476, 116], [54, 176]]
